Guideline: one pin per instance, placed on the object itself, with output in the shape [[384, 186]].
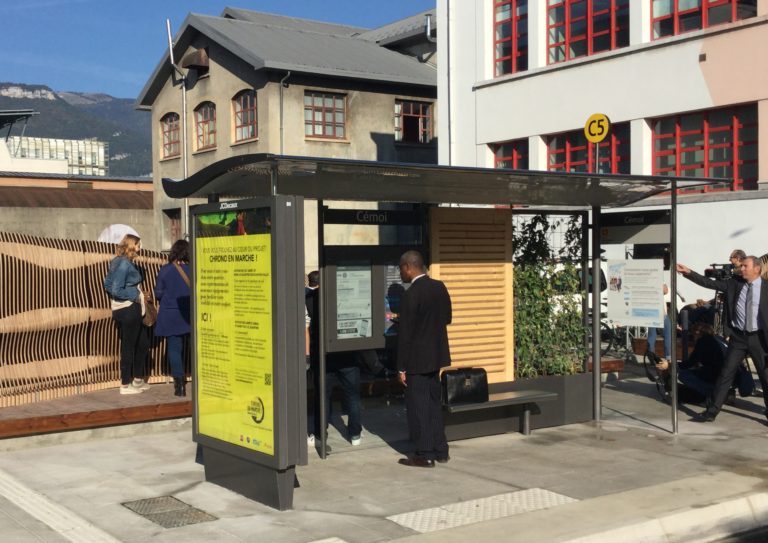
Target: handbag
[[464, 385], [150, 311]]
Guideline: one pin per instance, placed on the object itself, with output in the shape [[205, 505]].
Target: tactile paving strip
[[168, 511], [469, 512]]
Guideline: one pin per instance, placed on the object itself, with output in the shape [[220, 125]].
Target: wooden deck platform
[[93, 410]]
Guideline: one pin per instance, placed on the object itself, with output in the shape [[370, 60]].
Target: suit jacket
[[425, 311], [732, 288]]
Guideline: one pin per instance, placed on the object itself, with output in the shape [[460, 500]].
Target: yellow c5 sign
[[597, 127]]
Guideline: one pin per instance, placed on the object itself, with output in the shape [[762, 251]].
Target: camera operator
[[737, 255], [745, 320]]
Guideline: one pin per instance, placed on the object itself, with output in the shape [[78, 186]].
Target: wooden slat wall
[[471, 252], [57, 337]]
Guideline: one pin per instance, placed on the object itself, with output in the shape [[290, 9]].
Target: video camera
[[719, 271]]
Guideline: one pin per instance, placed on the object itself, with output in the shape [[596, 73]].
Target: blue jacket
[[173, 294], [123, 280]]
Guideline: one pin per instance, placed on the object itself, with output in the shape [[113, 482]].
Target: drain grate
[[168, 512]]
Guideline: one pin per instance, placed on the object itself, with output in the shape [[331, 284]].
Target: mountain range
[[77, 115]]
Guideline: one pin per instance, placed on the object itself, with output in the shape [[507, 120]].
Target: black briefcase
[[464, 385]]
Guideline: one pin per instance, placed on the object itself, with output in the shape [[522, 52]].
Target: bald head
[[411, 265]]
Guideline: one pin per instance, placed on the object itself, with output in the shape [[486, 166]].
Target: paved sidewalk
[[625, 479]]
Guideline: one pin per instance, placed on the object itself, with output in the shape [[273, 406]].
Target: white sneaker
[[141, 384], [130, 389], [356, 440], [311, 440]]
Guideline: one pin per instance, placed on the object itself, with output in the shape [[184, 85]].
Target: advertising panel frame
[[269, 478]]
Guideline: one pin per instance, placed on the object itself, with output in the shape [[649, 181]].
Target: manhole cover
[[168, 511]]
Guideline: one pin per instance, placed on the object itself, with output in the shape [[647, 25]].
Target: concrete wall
[[78, 224]]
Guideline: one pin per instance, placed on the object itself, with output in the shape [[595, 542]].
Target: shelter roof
[[334, 179], [10, 116]]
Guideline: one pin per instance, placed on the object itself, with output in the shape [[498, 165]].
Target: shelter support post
[[673, 304], [596, 369], [320, 396]]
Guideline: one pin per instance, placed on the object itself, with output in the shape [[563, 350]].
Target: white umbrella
[[114, 233]]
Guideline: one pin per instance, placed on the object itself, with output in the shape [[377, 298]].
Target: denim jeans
[[176, 355], [692, 379], [667, 338], [348, 378]]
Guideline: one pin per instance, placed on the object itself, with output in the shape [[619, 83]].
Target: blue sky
[[112, 46]]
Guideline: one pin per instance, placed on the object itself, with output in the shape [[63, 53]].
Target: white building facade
[[54, 155], [683, 82]]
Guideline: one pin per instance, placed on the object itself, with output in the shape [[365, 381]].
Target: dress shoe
[[443, 459], [417, 462], [704, 416]]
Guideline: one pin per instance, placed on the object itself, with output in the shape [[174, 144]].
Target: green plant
[[549, 334]]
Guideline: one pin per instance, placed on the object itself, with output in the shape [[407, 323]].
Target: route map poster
[[353, 302], [233, 342], [635, 292]]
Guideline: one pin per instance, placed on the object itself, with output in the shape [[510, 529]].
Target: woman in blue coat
[[172, 290]]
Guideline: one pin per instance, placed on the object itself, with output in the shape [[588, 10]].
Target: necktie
[[748, 310]]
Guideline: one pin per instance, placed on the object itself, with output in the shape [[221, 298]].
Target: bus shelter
[[247, 289]]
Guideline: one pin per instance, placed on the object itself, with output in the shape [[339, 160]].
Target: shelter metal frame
[[355, 180]]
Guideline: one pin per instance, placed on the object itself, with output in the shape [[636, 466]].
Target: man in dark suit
[[745, 321], [425, 311]]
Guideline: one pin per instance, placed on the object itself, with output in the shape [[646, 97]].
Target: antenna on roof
[[185, 217]]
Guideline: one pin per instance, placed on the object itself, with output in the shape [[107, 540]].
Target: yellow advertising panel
[[233, 272]]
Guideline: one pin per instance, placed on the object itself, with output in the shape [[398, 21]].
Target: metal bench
[[467, 420]]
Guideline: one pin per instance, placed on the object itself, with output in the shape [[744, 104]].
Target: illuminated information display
[[233, 271]]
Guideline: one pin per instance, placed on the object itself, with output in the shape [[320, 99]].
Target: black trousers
[[134, 343], [425, 415], [739, 344]]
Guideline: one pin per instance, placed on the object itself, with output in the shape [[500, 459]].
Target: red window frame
[[169, 125], [570, 22], [205, 125], [679, 21], [571, 152], [511, 155], [413, 119], [510, 32], [705, 140], [245, 115], [321, 120]]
